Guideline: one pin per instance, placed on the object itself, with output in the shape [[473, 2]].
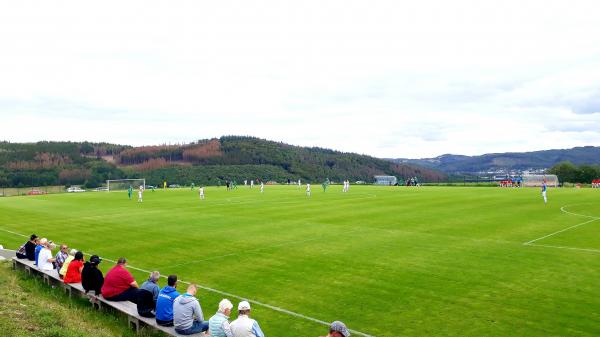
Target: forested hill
[[208, 162], [448, 163]]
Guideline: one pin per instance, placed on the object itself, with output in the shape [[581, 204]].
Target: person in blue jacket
[[38, 248], [164, 303]]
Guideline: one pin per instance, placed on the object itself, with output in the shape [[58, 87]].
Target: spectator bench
[[128, 308]]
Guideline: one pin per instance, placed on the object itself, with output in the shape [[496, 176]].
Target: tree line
[[203, 162], [571, 173]]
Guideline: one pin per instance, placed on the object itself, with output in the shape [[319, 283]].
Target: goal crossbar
[[115, 184]]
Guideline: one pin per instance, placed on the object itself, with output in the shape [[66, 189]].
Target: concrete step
[[7, 253]]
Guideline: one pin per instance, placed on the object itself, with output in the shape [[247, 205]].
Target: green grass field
[[429, 261]]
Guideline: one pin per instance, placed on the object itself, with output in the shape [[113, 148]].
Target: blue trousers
[[195, 328]]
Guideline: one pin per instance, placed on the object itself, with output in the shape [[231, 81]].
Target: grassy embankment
[[28, 308]]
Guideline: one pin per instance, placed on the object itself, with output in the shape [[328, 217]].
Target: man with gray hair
[[244, 326], [147, 295], [218, 325]]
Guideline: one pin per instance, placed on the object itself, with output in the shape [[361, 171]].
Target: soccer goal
[[536, 180], [123, 184]]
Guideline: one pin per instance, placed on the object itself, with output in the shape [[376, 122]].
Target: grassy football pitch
[[388, 261]]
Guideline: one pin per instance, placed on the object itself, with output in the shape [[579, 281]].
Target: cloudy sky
[[387, 78]]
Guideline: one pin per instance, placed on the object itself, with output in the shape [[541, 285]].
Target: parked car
[[75, 189], [149, 187], [174, 186], [36, 192], [98, 189]]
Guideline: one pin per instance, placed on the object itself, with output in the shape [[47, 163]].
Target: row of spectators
[[518, 182], [166, 305]]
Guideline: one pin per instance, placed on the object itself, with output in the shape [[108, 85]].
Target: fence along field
[[388, 261], [15, 191]]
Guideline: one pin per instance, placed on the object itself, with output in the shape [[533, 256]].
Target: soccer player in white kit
[[201, 191], [141, 193], [262, 187], [299, 184], [251, 183], [308, 190]]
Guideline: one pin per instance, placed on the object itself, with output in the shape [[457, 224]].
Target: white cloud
[[387, 78]]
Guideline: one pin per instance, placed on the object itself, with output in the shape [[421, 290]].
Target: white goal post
[[123, 184]]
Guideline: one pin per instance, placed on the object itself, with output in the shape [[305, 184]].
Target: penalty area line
[[560, 231], [217, 291], [562, 209], [563, 247]]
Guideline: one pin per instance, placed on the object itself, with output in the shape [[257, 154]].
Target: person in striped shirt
[[61, 256]]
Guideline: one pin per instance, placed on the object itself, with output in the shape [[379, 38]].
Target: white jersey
[[245, 326], [262, 187], [201, 191], [43, 263]]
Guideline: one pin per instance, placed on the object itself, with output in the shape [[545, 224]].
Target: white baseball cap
[[244, 305]]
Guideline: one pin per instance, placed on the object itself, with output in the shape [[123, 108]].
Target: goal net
[[532, 180], [123, 184]]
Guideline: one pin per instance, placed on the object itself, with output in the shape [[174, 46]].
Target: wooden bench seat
[[128, 308]]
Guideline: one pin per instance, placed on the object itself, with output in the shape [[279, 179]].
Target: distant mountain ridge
[[520, 161]]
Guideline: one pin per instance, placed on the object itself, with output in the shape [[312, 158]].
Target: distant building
[[385, 180]]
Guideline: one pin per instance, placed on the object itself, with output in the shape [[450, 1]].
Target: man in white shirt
[[201, 193], [308, 190], [140, 193], [244, 326], [45, 259]]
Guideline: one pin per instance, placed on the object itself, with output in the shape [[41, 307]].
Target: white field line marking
[[565, 229], [560, 231], [19, 234], [564, 247], [269, 306], [562, 209]]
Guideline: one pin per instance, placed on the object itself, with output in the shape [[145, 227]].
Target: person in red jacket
[[74, 268], [119, 284]]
